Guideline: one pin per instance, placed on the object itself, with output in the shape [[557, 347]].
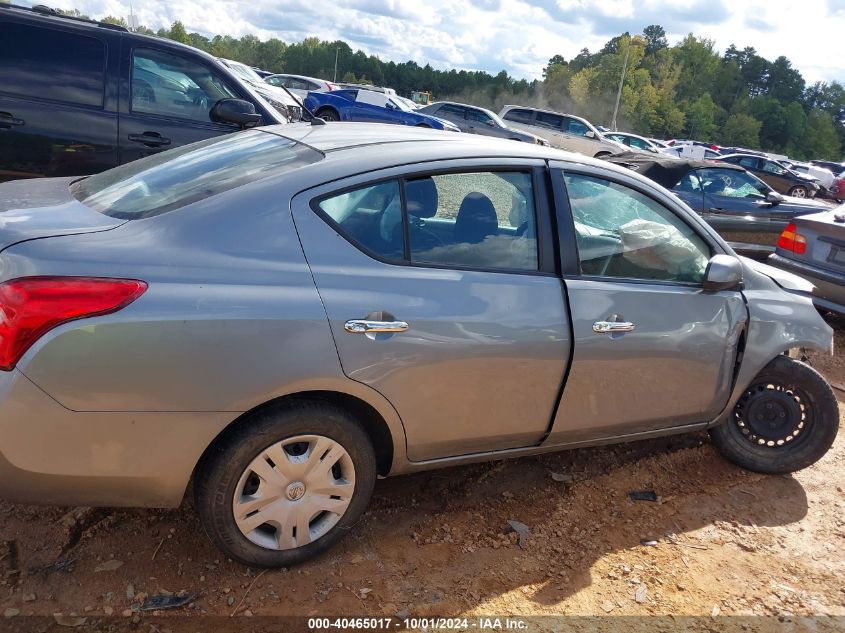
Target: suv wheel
[[786, 420], [287, 485], [799, 191]]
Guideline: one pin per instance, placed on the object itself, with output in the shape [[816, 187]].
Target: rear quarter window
[[178, 177]]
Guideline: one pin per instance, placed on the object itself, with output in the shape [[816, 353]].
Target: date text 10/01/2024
[[412, 624]]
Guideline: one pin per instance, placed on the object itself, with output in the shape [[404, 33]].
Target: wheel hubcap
[[294, 492], [772, 415]]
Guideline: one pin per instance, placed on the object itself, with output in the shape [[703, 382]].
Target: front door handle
[[363, 326], [150, 139], [612, 327]]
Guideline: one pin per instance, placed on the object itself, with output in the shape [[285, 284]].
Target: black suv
[[78, 97]]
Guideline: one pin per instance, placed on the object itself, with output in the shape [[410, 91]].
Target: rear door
[[57, 110], [166, 100], [652, 350], [441, 297]]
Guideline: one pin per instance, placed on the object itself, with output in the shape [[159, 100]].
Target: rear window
[[51, 64], [178, 177]]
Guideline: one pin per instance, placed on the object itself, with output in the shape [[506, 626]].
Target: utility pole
[[336, 51], [621, 81]]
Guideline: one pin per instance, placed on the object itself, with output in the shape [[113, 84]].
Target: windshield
[[178, 177], [399, 105]]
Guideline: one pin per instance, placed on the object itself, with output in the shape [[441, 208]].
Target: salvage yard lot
[[727, 542]]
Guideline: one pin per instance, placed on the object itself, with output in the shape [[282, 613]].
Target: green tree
[[110, 19], [177, 33], [741, 130], [821, 140], [655, 38], [701, 117]]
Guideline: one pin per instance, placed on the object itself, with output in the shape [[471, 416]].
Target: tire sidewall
[[822, 431], [223, 469]]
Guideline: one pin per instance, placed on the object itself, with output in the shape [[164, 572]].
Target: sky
[[518, 36]]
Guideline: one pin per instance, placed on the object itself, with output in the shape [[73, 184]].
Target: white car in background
[[300, 85], [276, 97], [634, 141], [824, 176]]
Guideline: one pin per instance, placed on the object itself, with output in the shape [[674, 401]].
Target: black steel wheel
[[786, 420]]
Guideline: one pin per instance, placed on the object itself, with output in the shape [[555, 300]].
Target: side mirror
[[235, 111], [489, 123], [774, 197], [723, 273], [590, 134]]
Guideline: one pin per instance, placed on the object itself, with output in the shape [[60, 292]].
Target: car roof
[[460, 105], [666, 171]]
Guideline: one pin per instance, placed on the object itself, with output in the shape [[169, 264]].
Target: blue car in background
[[369, 106]]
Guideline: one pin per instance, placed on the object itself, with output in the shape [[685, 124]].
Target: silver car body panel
[[232, 320]]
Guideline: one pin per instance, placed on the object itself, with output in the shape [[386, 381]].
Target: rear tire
[[799, 191], [786, 420], [327, 114], [286, 485]]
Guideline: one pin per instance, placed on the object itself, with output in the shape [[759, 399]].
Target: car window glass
[[773, 168], [519, 115], [310, 85], [478, 116], [371, 217], [550, 121], [178, 177], [298, 84], [731, 183], [748, 163], [689, 183], [449, 111], [623, 233], [639, 144], [275, 81], [174, 86], [478, 220], [576, 127], [51, 64]]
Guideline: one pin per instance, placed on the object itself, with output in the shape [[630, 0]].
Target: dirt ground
[[719, 540]]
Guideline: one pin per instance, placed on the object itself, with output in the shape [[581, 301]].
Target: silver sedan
[[284, 314]]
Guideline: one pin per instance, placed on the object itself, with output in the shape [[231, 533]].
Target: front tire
[[286, 485], [786, 420], [799, 191]]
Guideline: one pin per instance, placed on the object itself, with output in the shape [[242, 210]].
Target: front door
[[441, 297], [166, 100], [652, 350]]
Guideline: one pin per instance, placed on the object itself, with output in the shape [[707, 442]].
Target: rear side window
[[519, 115], [52, 64], [551, 121], [181, 176], [480, 220]]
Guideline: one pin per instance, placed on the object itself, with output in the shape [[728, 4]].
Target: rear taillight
[[791, 240], [31, 306]]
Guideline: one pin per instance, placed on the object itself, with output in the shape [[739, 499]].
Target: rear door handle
[[612, 327], [363, 326], [150, 139], [7, 120]]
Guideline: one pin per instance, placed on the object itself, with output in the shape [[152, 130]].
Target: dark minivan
[[78, 97]]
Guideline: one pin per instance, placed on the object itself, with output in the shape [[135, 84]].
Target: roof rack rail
[[43, 9]]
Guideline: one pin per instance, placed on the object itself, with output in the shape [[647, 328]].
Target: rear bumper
[[51, 455], [829, 291]]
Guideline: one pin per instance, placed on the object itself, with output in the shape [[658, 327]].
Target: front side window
[[173, 86], [773, 168], [450, 111], [467, 220], [731, 183], [576, 127], [479, 116], [178, 177], [624, 234], [51, 64], [748, 163]]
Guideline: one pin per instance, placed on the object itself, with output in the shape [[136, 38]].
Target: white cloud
[[516, 35]]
